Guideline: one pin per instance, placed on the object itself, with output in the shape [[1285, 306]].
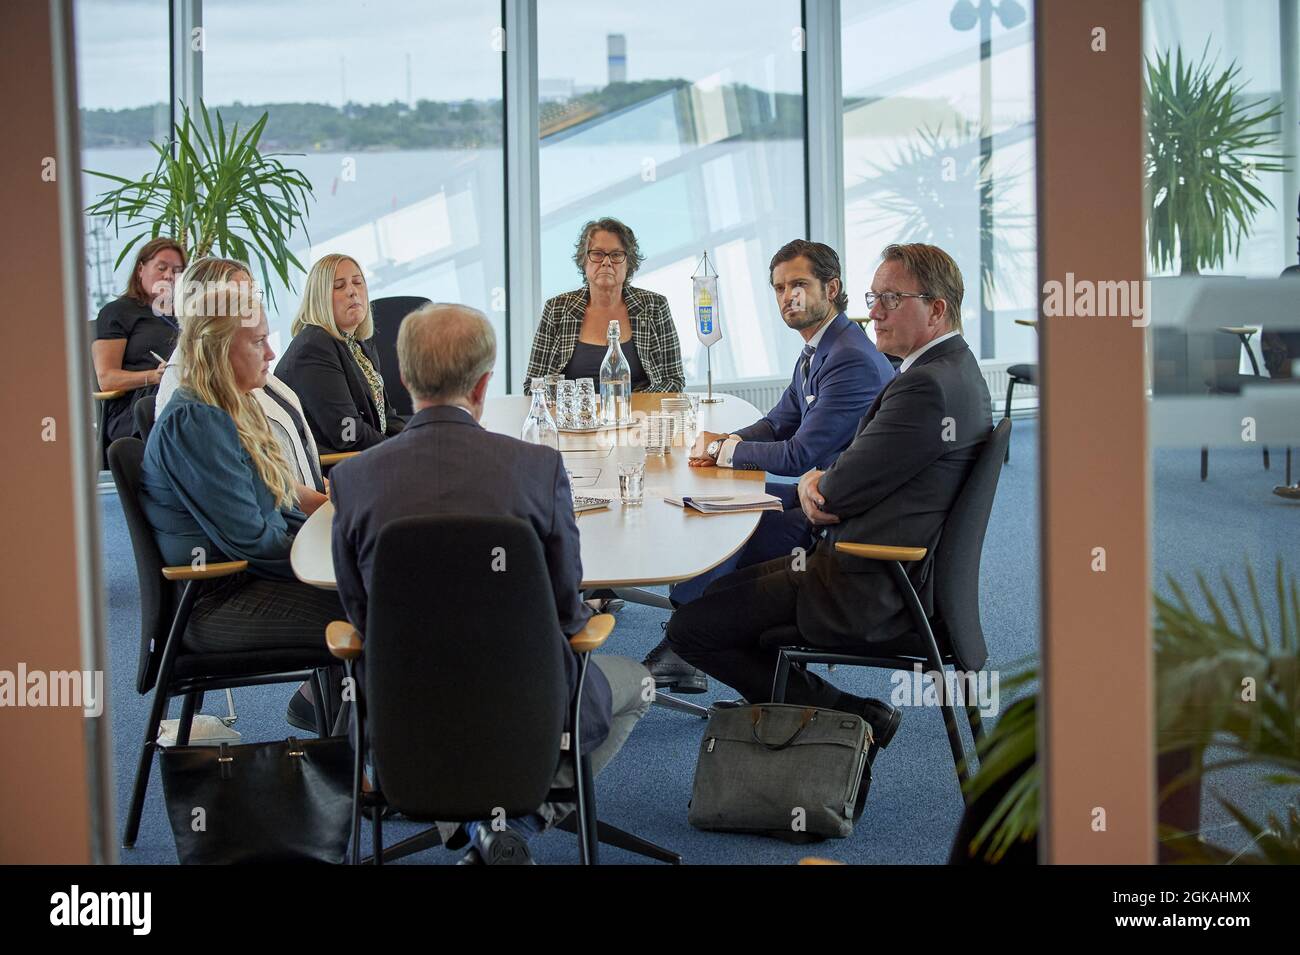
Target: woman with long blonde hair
[[332, 362], [215, 483]]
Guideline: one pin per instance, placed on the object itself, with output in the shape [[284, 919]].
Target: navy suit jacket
[[445, 462], [847, 373]]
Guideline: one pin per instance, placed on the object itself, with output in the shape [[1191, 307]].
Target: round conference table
[[622, 546]]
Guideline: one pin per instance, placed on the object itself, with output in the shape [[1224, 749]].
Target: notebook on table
[[727, 503]]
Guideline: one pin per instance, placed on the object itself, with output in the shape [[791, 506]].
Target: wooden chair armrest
[[1246, 330], [880, 551], [343, 640], [1027, 322], [594, 634], [817, 860], [334, 457], [206, 572], [106, 395]]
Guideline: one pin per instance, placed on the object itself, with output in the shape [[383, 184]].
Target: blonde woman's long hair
[[317, 306], [212, 299]]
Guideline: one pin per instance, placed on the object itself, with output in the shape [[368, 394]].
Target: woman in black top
[[332, 364], [131, 329], [571, 336]]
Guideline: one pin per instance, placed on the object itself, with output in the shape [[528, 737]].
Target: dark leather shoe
[[301, 712], [884, 720], [671, 672], [728, 704], [506, 847]]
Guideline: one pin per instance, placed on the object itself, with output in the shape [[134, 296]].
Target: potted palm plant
[[1205, 146], [1228, 693], [214, 191]]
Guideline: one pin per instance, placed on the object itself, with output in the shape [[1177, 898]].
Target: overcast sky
[[297, 51], [321, 50]]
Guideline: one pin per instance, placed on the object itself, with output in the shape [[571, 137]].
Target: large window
[[694, 138], [395, 119], [1224, 346], [124, 88], [939, 148]]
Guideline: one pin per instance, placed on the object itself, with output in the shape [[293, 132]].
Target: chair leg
[[377, 833], [1266, 464], [781, 677], [589, 842], [1205, 462], [358, 770], [157, 712], [1011, 387], [976, 723], [193, 701], [321, 703], [621, 839], [1288, 465]]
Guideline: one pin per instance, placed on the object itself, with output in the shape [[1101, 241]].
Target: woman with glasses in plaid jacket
[[572, 337]]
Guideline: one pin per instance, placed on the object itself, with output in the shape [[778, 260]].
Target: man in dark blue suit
[[445, 462], [836, 378]]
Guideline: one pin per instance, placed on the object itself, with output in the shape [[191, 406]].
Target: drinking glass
[[565, 410], [680, 410], [631, 482], [552, 382], [659, 431]]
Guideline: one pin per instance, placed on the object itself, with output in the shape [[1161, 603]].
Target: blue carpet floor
[[914, 806]]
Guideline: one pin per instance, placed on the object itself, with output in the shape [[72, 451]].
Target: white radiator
[[764, 393]]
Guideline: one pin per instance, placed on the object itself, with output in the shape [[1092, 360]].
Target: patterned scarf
[[372, 377]]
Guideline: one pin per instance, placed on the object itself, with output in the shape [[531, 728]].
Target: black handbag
[[285, 801]]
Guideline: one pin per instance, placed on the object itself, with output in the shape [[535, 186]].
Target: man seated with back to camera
[[894, 484], [838, 374], [445, 462]]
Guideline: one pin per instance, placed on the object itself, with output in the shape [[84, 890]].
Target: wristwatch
[[714, 447]]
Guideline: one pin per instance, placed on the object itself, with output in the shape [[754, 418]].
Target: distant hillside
[[309, 127]]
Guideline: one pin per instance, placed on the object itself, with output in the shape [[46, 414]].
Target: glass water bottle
[[615, 383], [539, 426]]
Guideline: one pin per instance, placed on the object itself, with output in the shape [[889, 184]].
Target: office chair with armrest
[[102, 398], [953, 635], [462, 702], [388, 314], [1022, 374], [167, 596]]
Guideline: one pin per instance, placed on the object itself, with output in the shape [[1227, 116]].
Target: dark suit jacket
[[845, 376], [333, 391], [895, 485], [444, 462]]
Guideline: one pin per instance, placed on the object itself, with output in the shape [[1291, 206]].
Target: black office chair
[[1227, 380], [463, 699], [388, 314], [101, 398], [165, 666], [1023, 374], [953, 635]]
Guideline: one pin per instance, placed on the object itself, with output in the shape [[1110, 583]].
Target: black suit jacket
[[894, 484], [333, 391], [444, 462]]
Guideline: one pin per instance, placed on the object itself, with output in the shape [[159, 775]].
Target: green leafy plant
[[213, 190], [1205, 147], [1228, 686], [1011, 747], [926, 183]]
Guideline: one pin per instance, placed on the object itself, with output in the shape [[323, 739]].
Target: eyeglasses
[[597, 257], [891, 300]]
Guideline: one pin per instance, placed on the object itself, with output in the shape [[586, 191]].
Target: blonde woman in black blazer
[[332, 363]]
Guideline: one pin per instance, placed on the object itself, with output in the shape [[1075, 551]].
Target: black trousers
[[718, 633], [243, 612]]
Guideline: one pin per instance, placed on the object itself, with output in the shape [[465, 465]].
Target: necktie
[[806, 365]]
